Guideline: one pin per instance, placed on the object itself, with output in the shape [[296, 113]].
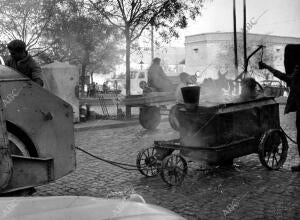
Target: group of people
[[158, 81]]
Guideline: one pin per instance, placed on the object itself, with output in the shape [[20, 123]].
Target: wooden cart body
[[149, 99], [150, 105]]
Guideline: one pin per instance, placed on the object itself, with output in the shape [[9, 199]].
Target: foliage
[[133, 17], [25, 20], [137, 15], [226, 56], [82, 39]]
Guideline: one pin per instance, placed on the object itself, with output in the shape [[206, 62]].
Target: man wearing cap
[[22, 61]]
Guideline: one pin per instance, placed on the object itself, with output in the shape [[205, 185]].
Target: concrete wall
[[61, 79], [203, 51]]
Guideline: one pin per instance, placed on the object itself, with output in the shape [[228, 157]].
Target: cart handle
[[260, 47]]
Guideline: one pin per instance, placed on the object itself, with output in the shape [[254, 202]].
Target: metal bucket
[[191, 96]]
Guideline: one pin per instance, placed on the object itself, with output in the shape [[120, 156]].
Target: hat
[[186, 78], [16, 45], [156, 60]]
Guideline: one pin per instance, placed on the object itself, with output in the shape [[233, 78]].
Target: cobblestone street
[[249, 191]]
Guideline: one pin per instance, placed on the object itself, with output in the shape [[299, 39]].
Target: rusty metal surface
[[223, 152], [29, 172], [6, 166], [44, 118], [212, 154], [235, 128], [8, 73]]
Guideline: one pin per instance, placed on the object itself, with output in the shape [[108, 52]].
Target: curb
[[115, 125]]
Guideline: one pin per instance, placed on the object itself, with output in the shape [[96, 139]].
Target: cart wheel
[[149, 117], [273, 149], [173, 170], [146, 162], [172, 118]]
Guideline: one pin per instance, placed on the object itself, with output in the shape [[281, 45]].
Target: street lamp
[[141, 63]]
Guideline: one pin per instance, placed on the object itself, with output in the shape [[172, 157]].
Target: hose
[[120, 165], [114, 163], [295, 142]]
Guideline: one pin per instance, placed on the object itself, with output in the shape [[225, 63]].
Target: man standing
[[20, 60], [292, 78]]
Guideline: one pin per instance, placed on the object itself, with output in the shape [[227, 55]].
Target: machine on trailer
[[37, 129], [218, 134]]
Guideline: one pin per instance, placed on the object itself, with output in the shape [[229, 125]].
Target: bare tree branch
[[122, 9], [107, 15]]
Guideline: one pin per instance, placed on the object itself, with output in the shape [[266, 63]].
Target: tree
[[25, 20], [132, 17], [82, 39], [226, 56]]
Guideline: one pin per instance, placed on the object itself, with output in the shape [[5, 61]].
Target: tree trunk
[[92, 77], [128, 41], [83, 69]]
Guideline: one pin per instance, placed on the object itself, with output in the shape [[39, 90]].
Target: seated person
[[23, 62], [157, 79]]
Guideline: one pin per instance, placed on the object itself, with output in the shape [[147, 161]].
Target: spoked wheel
[[172, 118], [146, 162], [173, 170], [149, 117], [273, 149]]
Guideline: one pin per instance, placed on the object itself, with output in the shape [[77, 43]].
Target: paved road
[[248, 191]]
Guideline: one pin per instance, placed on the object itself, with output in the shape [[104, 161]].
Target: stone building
[[208, 53]]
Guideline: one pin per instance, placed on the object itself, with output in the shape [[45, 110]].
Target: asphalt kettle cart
[[218, 133]]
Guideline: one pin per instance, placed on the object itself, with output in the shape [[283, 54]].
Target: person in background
[[105, 87], [157, 78], [292, 78], [23, 62]]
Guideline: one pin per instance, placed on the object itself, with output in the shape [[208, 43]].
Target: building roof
[[228, 36]]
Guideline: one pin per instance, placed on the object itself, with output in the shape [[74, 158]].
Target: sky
[[274, 17]]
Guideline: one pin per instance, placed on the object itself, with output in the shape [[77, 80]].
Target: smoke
[[220, 90]]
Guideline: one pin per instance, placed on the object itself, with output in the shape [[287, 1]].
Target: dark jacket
[[293, 81], [158, 79], [28, 67]]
